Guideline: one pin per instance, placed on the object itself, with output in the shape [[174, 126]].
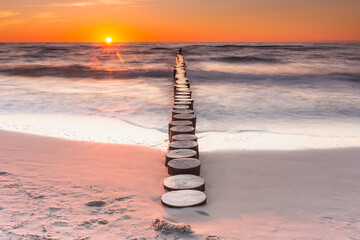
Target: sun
[[108, 40]]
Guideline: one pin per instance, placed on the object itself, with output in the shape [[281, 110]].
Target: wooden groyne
[[185, 187]]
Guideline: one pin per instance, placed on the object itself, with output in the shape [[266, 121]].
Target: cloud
[[64, 4], [122, 2], [7, 13], [72, 4], [6, 23], [45, 15], [92, 3], [112, 2], [50, 17]]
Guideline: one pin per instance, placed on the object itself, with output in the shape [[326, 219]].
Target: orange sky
[[175, 20]]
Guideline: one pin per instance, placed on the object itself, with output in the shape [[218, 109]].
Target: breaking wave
[[246, 59], [81, 71]]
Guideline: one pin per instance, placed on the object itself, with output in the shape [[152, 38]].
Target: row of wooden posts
[[185, 187]]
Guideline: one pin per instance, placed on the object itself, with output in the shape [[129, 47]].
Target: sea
[[247, 95]]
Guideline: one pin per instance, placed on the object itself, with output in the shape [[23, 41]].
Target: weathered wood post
[[182, 160]]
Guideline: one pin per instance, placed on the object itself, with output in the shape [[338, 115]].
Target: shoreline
[[265, 136], [302, 194]]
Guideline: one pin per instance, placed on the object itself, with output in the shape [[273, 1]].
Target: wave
[[55, 49], [51, 52], [163, 48], [81, 71], [354, 77], [294, 47], [245, 59], [277, 78], [241, 46], [354, 58]]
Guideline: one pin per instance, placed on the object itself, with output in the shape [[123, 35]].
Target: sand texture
[[59, 189]]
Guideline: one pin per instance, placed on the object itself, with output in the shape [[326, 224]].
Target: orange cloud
[[91, 3], [7, 13], [8, 23], [46, 15], [73, 4]]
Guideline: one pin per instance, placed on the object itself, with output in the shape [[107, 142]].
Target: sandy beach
[[48, 183], [179, 120]]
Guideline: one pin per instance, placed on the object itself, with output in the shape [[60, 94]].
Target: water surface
[[95, 92]]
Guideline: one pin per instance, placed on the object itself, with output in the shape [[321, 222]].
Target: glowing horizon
[[190, 21]]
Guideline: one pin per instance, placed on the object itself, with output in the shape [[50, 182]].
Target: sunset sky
[[175, 20]]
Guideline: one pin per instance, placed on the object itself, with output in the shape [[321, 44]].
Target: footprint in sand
[[91, 222], [96, 204], [53, 209], [103, 222], [60, 224], [16, 226], [112, 211], [96, 188], [124, 198], [34, 196], [326, 219], [212, 237], [12, 185], [88, 223], [351, 222], [21, 189], [4, 174], [83, 238], [202, 213]]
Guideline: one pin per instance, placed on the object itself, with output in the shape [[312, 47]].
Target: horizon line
[[327, 41]]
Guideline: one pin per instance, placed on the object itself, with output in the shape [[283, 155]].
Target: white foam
[[287, 68], [289, 136], [83, 128], [285, 136]]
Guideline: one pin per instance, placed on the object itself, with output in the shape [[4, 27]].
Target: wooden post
[[184, 137], [184, 182], [183, 198], [182, 160], [189, 103], [181, 107], [184, 166], [183, 93], [193, 145], [179, 111], [182, 97], [178, 123], [184, 116], [179, 153], [181, 130]]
